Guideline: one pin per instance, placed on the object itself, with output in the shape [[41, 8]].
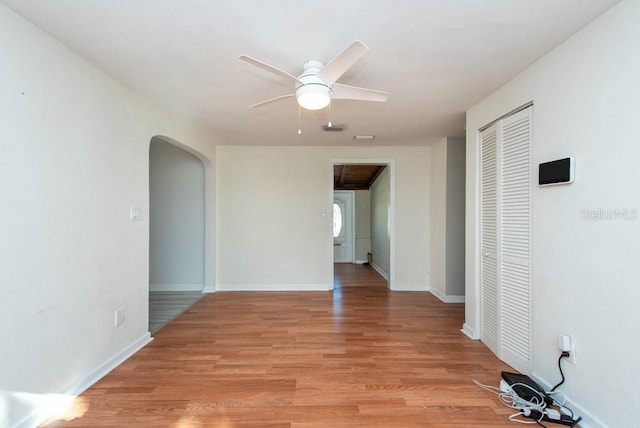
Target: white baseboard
[[588, 420], [380, 271], [101, 371], [470, 332], [176, 287], [273, 287], [447, 299], [410, 287], [39, 415]]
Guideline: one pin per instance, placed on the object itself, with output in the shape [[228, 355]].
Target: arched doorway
[[177, 231]]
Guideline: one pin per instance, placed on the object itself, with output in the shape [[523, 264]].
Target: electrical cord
[[526, 408], [514, 418], [536, 403], [553, 393], [534, 409], [512, 400], [563, 355], [559, 399]]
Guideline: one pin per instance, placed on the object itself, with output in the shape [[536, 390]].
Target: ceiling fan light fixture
[[313, 96]]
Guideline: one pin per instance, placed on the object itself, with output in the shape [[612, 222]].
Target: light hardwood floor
[[360, 356]]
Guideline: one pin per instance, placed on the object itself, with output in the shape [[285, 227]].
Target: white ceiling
[[437, 58]]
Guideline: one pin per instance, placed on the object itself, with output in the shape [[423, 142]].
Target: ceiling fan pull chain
[[299, 127]]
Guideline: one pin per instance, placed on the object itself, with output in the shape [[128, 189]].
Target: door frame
[[209, 210], [390, 163]]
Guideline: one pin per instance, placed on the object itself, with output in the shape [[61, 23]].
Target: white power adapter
[[564, 343], [552, 414]]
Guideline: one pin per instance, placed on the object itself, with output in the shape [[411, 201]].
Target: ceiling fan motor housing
[[312, 93]]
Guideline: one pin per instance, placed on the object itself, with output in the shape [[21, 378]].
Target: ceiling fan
[[316, 86]]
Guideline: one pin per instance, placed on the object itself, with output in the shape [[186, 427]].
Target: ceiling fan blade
[[272, 100], [268, 67], [346, 92], [342, 62]]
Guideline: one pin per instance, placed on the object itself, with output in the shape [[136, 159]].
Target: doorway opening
[[363, 197], [178, 250]]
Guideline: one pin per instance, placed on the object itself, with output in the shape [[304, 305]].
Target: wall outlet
[[572, 353], [119, 317], [566, 345]]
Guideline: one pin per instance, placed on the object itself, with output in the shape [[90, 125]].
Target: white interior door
[[489, 274], [343, 242], [515, 275], [505, 241]]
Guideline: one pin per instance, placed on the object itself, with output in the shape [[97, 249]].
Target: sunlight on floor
[[74, 410], [39, 407]]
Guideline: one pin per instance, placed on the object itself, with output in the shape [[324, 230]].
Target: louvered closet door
[[515, 290], [505, 239], [489, 239]]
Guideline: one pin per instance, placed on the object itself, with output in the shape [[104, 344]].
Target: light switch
[[136, 213], [119, 317]]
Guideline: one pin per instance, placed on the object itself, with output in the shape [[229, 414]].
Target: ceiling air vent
[[335, 127]]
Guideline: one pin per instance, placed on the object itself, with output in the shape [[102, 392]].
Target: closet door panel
[[505, 239], [489, 239], [515, 245]]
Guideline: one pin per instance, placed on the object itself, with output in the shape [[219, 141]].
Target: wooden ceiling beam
[[343, 175], [376, 174], [356, 176]]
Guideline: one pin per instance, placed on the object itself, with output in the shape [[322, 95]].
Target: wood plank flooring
[[360, 356], [164, 306]]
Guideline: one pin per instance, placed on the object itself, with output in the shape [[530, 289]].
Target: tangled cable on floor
[[534, 409]]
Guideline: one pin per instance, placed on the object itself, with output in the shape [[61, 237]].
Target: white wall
[[447, 219], [363, 224], [381, 223], [585, 277], [456, 155], [270, 233], [176, 218], [74, 146], [438, 222]]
